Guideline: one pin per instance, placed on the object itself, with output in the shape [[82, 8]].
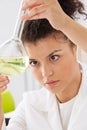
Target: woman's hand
[[4, 80], [49, 9]]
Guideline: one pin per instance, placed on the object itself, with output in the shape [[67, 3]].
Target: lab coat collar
[[53, 114], [41, 99], [81, 99], [46, 102]]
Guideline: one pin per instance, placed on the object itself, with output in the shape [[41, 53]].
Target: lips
[[52, 83]]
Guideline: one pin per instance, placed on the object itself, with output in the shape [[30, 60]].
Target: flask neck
[[19, 24]]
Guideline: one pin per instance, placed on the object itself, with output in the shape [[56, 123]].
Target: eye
[[33, 63], [54, 57]]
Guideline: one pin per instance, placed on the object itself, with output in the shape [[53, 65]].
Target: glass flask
[[13, 56]]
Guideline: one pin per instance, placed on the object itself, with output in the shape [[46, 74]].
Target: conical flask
[[13, 56]]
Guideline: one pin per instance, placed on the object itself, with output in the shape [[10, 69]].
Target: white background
[[8, 15]]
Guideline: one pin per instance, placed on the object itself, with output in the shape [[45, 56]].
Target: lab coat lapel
[[44, 102], [53, 114], [80, 102]]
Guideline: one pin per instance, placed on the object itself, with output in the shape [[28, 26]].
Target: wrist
[[65, 23]]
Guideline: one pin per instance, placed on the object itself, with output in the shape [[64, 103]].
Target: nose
[[46, 70]]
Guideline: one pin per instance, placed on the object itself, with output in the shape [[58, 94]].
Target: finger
[[35, 17], [30, 4], [35, 13], [2, 78], [4, 83]]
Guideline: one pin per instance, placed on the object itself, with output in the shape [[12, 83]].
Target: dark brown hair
[[41, 28], [71, 7]]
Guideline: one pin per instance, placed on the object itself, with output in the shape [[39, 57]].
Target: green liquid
[[13, 66]]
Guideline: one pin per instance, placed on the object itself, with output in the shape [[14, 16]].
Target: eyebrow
[[54, 52], [49, 54]]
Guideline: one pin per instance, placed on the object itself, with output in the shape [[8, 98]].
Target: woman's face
[[52, 62]]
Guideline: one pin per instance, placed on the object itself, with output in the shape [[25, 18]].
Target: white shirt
[[65, 112]]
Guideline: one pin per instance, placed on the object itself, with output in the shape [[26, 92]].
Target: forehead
[[47, 45]]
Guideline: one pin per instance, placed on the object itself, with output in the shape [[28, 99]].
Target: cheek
[[67, 68]]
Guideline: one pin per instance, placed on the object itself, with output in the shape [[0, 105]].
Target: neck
[[72, 89]]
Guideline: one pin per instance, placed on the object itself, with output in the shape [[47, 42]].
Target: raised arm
[[75, 32], [59, 19]]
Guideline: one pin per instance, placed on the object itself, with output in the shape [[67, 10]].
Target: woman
[[60, 103], [58, 18]]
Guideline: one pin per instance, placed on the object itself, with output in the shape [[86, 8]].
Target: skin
[[51, 10], [4, 80], [53, 63]]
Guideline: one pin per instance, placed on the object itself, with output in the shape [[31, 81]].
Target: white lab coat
[[39, 110]]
